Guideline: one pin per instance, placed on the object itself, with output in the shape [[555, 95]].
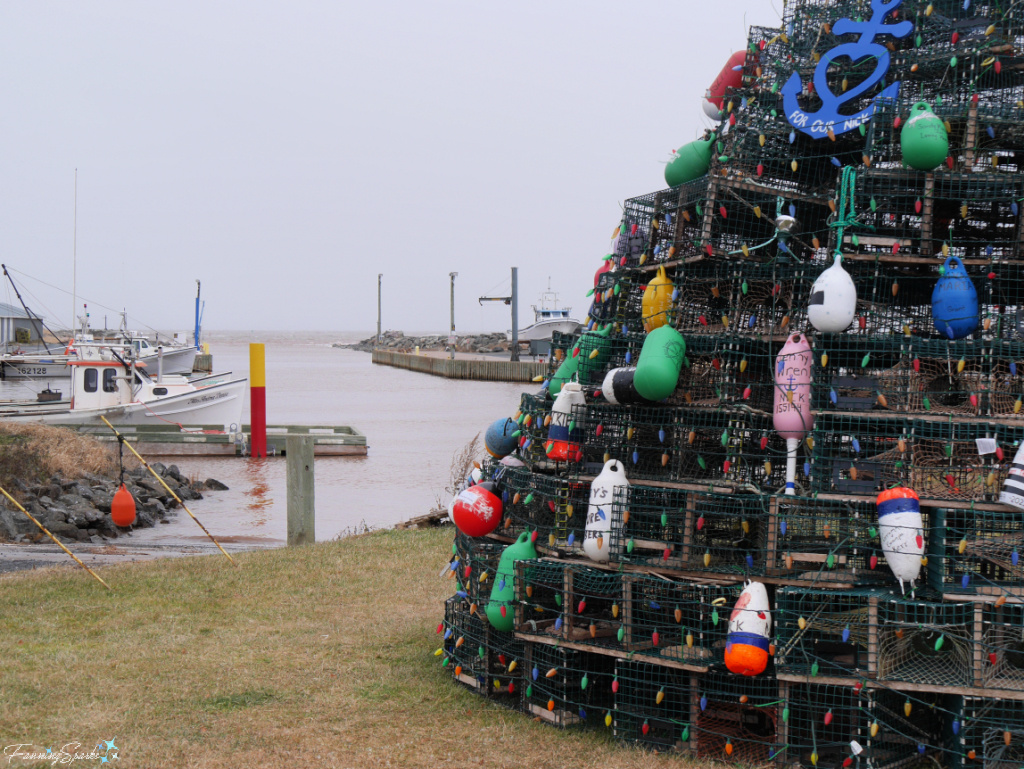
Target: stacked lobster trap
[[763, 507]]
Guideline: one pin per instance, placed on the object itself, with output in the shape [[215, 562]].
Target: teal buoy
[[924, 141], [500, 612], [691, 162]]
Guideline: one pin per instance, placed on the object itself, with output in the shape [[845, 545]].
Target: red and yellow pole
[[257, 400]]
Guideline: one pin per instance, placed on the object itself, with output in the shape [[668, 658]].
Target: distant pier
[[477, 367]]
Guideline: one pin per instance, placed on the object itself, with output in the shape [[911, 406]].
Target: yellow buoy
[[657, 301]]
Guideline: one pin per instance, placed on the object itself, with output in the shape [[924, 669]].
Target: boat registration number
[[32, 370]]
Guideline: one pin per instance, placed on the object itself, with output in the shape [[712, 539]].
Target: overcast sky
[[287, 153]]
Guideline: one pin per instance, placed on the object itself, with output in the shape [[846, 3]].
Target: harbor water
[[414, 424]]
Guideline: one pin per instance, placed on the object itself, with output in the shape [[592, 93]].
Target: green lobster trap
[[976, 552], [654, 705], [567, 688]]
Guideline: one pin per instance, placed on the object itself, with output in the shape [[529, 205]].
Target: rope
[[846, 216]]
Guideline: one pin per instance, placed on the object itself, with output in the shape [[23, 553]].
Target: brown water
[[414, 424]]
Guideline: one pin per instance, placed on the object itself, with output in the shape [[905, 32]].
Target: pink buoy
[[792, 414]]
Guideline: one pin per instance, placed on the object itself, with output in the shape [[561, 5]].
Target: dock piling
[[301, 509]]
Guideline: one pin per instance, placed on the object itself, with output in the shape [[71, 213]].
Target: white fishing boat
[[107, 381], [548, 318]]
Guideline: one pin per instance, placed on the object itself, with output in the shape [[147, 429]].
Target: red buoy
[[122, 507], [730, 78], [477, 510]]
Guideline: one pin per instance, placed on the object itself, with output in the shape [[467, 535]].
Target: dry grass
[[319, 656], [57, 450]]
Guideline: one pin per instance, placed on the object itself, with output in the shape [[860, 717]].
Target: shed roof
[[10, 311]]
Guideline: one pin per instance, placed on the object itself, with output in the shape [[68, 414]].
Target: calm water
[[414, 424]]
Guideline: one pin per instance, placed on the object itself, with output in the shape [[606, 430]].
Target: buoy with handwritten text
[[901, 530], [750, 630], [924, 141], [598, 535], [792, 416], [563, 443], [661, 360]]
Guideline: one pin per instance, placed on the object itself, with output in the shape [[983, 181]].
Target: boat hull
[[218, 404], [178, 360], [542, 330], [31, 367]]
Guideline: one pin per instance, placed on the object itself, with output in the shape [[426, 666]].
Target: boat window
[[110, 380], [159, 391], [92, 379]]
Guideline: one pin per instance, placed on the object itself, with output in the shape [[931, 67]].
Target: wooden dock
[[211, 440], [479, 368]]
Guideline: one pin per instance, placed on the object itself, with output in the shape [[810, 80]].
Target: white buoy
[[833, 301], [563, 443], [901, 530], [1013, 486], [750, 632], [597, 539]]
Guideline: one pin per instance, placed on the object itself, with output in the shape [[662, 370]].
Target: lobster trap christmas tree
[[768, 505]]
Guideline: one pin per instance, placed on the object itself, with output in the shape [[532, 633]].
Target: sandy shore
[[20, 557]]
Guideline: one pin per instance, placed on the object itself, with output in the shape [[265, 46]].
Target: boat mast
[[74, 263]]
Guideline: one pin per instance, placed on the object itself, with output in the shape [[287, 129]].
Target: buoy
[[792, 416], [1013, 487], [563, 444], [619, 387], [730, 77], [122, 507], [924, 141], [661, 359], [597, 540], [503, 593], [750, 625], [955, 301], [657, 301], [833, 299], [566, 370], [594, 349], [691, 162], [477, 510], [901, 530], [498, 440]]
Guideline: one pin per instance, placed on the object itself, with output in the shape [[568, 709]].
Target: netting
[[814, 158]]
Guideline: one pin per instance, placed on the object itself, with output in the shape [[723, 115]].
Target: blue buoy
[[955, 301], [499, 440]]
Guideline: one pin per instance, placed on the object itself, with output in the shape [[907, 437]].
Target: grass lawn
[[320, 656]]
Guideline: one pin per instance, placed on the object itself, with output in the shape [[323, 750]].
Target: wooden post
[[301, 517], [927, 215]]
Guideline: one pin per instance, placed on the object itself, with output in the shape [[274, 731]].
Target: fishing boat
[[548, 318], [107, 381]]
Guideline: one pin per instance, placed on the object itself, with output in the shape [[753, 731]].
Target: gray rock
[[214, 485], [102, 500], [67, 532], [175, 473], [159, 468], [72, 500], [143, 519], [45, 501], [14, 523]]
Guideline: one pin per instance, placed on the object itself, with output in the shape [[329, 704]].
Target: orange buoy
[[122, 507]]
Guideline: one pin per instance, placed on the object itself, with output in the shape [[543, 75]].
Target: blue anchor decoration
[[817, 124]]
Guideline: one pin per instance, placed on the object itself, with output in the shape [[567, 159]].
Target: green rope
[[846, 216]]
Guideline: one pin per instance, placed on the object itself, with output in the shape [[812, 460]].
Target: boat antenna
[[74, 262], [36, 320]]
